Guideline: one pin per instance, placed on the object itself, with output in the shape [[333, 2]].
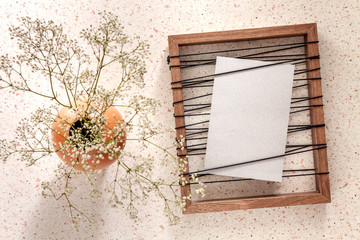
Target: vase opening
[[79, 127]]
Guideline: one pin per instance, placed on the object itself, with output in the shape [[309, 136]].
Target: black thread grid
[[197, 77]]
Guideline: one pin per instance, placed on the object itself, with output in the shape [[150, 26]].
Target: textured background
[[24, 214]]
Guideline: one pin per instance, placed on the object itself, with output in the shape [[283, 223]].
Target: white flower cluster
[[89, 139]]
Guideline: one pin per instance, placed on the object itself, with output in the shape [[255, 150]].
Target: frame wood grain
[[309, 31]]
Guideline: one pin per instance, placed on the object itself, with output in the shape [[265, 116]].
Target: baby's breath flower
[[47, 51]]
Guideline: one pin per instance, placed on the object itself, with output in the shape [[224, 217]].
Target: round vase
[[92, 159]]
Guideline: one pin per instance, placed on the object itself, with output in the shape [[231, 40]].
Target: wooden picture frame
[[309, 31]]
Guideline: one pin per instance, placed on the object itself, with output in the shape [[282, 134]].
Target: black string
[[306, 79], [304, 127], [183, 100], [195, 133], [291, 129], [299, 86], [320, 105], [242, 49], [191, 149], [191, 115], [213, 86], [192, 87], [199, 108], [197, 104], [285, 170], [253, 161], [302, 99], [194, 145], [305, 71], [201, 114], [196, 83], [245, 69], [193, 124], [210, 94], [287, 146], [205, 105], [250, 179], [191, 139], [303, 110], [254, 57], [195, 129], [251, 56], [244, 56]]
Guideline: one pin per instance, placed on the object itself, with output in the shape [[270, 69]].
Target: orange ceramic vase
[[61, 132]]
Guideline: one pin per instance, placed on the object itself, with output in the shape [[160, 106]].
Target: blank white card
[[249, 118]]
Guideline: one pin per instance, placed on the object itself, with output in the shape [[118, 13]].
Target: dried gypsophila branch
[[47, 51]]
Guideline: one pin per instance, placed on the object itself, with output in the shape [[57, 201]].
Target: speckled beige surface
[[24, 214]]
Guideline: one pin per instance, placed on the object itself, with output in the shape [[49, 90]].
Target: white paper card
[[249, 118]]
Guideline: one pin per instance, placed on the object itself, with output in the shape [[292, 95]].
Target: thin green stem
[[52, 89]]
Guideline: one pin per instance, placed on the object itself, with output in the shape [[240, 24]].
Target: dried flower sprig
[[48, 54]]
